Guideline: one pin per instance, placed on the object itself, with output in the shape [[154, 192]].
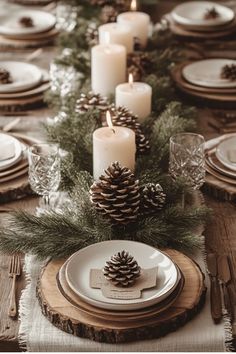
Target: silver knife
[[215, 294], [225, 278]]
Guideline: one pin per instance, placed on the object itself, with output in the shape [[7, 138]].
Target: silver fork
[[14, 272]]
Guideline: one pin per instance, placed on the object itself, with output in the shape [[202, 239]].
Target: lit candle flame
[[109, 121], [133, 5], [131, 80]]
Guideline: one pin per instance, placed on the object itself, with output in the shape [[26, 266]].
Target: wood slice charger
[[62, 314]]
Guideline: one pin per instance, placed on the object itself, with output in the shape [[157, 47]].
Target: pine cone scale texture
[[122, 269]]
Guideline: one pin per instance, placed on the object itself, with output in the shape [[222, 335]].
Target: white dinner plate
[[226, 153], [207, 73], [95, 257], [24, 76], [4, 138], [192, 13], [9, 23]]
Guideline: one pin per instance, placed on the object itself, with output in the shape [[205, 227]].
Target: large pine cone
[[229, 72], [91, 100], [116, 195], [122, 117], [152, 198], [122, 269]]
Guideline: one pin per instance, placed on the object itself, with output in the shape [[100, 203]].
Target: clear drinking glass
[[187, 159], [64, 79], [44, 170]]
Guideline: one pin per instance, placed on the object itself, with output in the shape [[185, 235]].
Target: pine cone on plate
[[229, 72], [116, 195], [211, 13], [5, 77], [26, 21], [152, 198], [122, 269], [122, 117], [91, 34], [91, 100]]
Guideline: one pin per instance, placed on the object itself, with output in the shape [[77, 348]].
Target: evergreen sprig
[[59, 234]]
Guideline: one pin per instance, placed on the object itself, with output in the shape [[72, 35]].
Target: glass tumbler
[[187, 158], [44, 170]]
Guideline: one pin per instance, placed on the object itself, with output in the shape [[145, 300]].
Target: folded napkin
[[7, 150]]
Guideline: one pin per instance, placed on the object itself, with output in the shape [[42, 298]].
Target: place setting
[[22, 85], [129, 282], [221, 164], [211, 79], [202, 20], [27, 28], [14, 166]]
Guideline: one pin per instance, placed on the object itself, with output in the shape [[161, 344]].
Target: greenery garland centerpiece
[[93, 211]]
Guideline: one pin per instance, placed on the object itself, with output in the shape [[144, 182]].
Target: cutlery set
[[14, 272], [222, 292]]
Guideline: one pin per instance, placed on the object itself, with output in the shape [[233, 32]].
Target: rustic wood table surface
[[219, 234]]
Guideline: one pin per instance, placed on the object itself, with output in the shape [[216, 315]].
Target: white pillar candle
[[139, 23], [108, 68], [136, 96], [112, 144], [115, 33]]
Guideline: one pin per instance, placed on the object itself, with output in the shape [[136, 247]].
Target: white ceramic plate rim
[[180, 18], [217, 168], [18, 153], [221, 156], [49, 22], [12, 67], [196, 73], [116, 246]]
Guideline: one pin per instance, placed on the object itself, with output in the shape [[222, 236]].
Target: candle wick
[[113, 130]]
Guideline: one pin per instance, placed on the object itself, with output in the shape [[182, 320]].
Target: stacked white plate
[[77, 276], [203, 79], [10, 26], [26, 80], [221, 158], [207, 73], [191, 17], [13, 159]]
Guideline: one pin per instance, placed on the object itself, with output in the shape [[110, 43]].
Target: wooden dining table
[[220, 232]]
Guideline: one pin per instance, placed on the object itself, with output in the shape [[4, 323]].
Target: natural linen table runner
[[37, 334]]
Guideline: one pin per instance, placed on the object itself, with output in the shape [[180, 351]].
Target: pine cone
[[139, 64], [122, 117], [122, 269], [5, 76], [26, 21], [229, 72], [109, 14], [211, 13], [116, 195], [91, 34], [91, 100], [152, 198]]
